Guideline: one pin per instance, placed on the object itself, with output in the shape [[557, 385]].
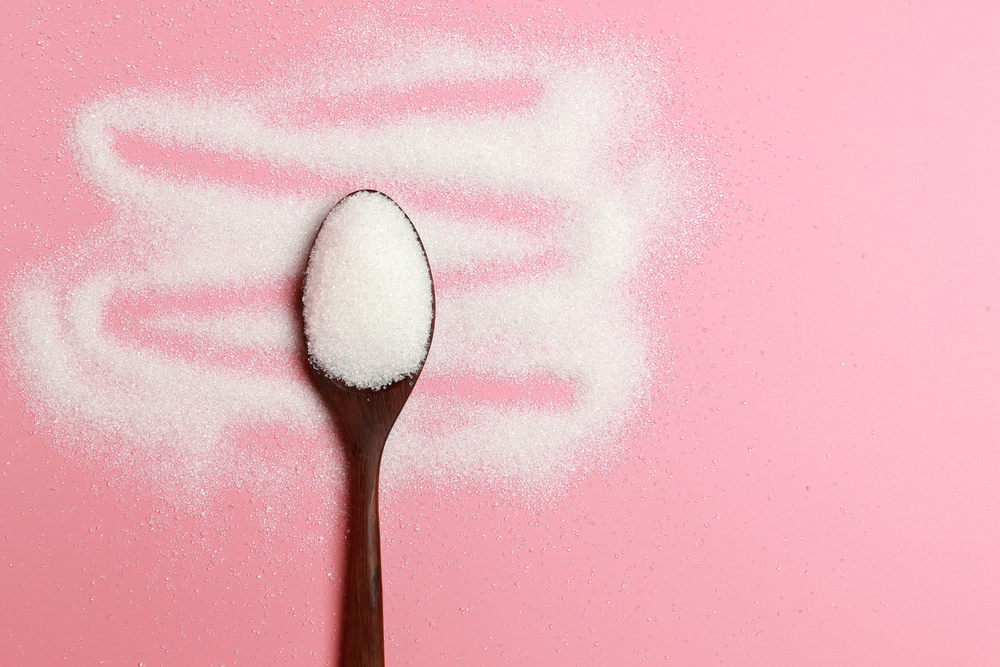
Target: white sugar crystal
[[368, 301], [547, 223]]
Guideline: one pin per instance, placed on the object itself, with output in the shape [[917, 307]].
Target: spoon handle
[[364, 419], [363, 642]]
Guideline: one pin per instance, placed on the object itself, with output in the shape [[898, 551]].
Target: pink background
[[819, 488]]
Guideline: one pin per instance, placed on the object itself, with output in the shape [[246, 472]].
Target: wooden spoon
[[364, 418]]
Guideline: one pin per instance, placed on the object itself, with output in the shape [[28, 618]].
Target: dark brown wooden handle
[[364, 419], [364, 645]]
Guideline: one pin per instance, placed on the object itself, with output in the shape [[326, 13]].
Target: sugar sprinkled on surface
[[543, 213], [368, 300]]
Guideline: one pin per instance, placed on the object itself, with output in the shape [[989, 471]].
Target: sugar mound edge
[[368, 301]]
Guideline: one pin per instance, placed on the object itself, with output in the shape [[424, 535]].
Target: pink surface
[[818, 489]]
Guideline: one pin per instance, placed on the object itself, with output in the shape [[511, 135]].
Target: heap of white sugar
[[368, 299]]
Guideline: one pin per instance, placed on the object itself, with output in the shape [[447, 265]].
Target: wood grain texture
[[364, 419]]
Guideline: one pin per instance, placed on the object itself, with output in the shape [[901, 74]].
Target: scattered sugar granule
[[169, 344]]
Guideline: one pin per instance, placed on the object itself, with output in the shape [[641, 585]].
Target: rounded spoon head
[[368, 303], [366, 415]]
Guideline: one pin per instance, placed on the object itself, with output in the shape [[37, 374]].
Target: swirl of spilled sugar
[[579, 162]]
